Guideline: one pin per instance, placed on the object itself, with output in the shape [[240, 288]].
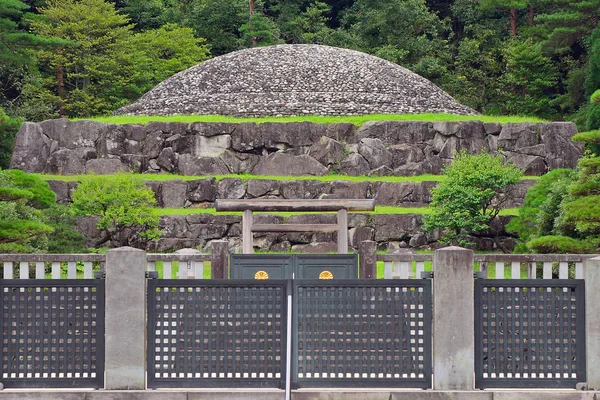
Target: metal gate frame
[[370, 382], [38, 346], [216, 381], [577, 285]]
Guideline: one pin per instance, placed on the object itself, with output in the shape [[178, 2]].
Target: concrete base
[[269, 394]]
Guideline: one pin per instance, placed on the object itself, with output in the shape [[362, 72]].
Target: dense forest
[[81, 58]]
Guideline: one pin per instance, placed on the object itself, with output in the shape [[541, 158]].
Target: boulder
[[393, 193], [406, 153], [315, 248], [531, 165], [272, 135], [213, 146], [32, 148], [515, 136], [105, 166], [200, 166], [349, 190], [76, 134], [409, 169], [66, 162], [560, 150], [153, 144], [354, 165], [61, 188], [239, 163], [182, 143], [396, 132], [231, 188], [384, 170], [209, 129], [201, 190], [263, 187], [374, 151], [327, 151], [360, 234], [167, 159], [284, 165], [173, 193], [304, 189], [396, 226]]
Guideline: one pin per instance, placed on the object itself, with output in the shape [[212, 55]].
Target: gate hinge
[[99, 274], [426, 274], [479, 275], [152, 274]]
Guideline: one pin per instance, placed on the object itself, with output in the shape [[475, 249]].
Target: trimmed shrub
[[561, 245]]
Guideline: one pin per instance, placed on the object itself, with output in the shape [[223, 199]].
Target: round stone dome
[[295, 80]]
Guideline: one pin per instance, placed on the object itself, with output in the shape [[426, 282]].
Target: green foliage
[[8, 130], [529, 82], [591, 140], [122, 202], [218, 21], [402, 31], [592, 81], [260, 30], [65, 239], [593, 112], [471, 196], [22, 224], [108, 66], [539, 209], [560, 245], [164, 52], [16, 44]]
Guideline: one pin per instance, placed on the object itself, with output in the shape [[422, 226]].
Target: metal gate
[[363, 333], [211, 333], [297, 266], [529, 333], [224, 333], [52, 333]]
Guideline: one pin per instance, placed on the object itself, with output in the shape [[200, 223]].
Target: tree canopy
[[471, 197]]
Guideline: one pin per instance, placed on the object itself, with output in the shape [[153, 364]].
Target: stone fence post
[[453, 319], [125, 316], [367, 259], [591, 274], [219, 257]]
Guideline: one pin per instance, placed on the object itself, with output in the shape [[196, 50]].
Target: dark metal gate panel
[[261, 266], [529, 333], [217, 333], [352, 333], [52, 333], [326, 266]]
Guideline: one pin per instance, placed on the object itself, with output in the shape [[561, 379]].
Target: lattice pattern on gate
[[357, 333], [211, 333], [529, 333], [52, 333]]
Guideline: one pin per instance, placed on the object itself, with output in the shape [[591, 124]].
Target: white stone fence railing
[[493, 266]]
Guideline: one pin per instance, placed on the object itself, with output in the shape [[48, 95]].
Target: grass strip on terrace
[[383, 210], [247, 177], [357, 120]]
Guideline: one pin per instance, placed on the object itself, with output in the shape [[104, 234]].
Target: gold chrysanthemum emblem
[[261, 275], [325, 275]]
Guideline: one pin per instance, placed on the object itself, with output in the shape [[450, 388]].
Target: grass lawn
[[247, 177], [378, 210], [356, 120]]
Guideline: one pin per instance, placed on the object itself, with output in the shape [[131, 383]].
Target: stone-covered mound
[[295, 80]]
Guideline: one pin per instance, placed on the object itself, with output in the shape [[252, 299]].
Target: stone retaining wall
[[390, 231], [203, 192], [300, 148]]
